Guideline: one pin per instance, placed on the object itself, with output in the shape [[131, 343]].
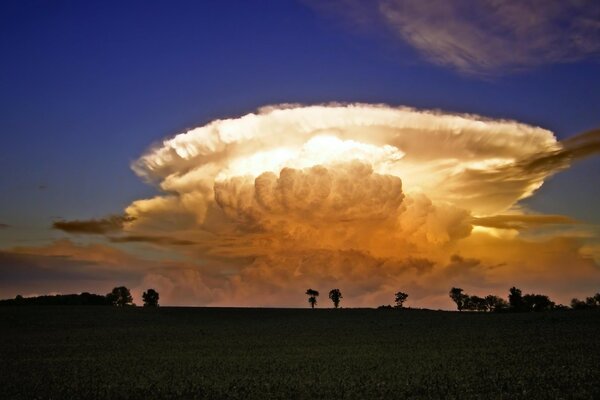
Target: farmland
[[109, 353]]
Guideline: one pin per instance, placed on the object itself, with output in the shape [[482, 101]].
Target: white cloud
[[486, 36]]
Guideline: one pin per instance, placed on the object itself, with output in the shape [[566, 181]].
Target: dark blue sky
[[86, 87]]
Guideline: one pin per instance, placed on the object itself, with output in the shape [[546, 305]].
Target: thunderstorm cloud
[[370, 199]]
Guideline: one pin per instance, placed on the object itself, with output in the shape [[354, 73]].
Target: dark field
[[111, 353]]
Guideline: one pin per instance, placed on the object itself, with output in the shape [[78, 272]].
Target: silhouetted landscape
[[207, 353], [121, 351]]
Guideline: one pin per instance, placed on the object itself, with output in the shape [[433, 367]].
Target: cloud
[[394, 141], [64, 266], [338, 193], [484, 37], [368, 197], [519, 222], [4, 226], [109, 224], [160, 240], [371, 199]]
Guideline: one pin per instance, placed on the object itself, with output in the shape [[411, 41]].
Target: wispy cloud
[[521, 221], [159, 240], [109, 224], [485, 37]]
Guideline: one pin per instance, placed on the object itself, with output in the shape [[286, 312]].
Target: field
[[135, 353]]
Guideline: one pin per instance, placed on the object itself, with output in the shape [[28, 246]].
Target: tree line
[[119, 297], [335, 295], [517, 302]]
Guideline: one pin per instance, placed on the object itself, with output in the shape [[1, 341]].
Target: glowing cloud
[[368, 196], [438, 154]]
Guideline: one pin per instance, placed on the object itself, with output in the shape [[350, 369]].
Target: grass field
[[109, 353]]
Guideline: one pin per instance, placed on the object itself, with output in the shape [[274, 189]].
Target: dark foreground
[[103, 352]]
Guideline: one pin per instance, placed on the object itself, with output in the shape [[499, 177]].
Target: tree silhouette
[[457, 296], [312, 297], [537, 302], [335, 295], [577, 304], [400, 299], [589, 302], [515, 299], [120, 297], [477, 303], [495, 303], [150, 298], [593, 301]]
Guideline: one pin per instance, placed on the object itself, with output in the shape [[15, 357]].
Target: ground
[[136, 353]]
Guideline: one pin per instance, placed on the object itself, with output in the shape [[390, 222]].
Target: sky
[[236, 153]]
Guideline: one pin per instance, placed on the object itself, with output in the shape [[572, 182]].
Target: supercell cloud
[[366, 197]]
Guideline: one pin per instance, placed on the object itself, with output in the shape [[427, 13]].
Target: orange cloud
[[367, 198]]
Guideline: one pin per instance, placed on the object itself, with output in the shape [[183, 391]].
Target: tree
[[515, 299], [120, 297], [589, 302], [593, 301], [577, 304], [477, 303], [150, 298], [335, 295], [457, 296], [495, 303], [400, 299], [312, 297], [537, 302]]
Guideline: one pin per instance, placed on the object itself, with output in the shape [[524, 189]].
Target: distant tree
[[589, 302], [120, 297], [577, 304], [495, 303], [537, 302], [18, 299], [515, 299], [457, 296], [150, 298], [335, 295], [400, 299], [477, 303], [593, 301], [312, 297]]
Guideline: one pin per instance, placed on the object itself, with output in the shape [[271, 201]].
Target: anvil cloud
[[368, 198]]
